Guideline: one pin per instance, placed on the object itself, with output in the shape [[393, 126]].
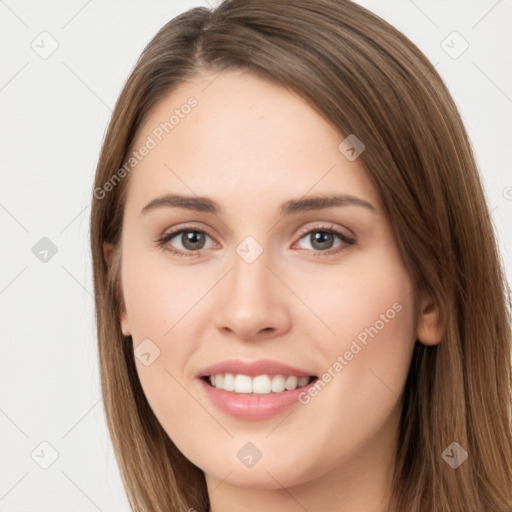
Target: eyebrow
[[293, 206]]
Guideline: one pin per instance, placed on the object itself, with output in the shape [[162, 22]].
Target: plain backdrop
[[54, 112]]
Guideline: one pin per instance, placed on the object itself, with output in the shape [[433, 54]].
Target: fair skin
[[251, 145]]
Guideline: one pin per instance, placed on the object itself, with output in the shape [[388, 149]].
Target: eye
[[192, 240], [322, 238]]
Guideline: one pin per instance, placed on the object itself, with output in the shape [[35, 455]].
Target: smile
[[261, 384], [254, 390]]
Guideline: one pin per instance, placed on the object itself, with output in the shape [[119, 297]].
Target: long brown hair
[[368, 79]]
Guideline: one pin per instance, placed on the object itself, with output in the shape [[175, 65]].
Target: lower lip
[[253, 406]]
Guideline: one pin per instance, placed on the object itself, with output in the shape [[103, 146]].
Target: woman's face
[[270, 287]]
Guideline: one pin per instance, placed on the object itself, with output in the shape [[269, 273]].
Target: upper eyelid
[[325, 226]]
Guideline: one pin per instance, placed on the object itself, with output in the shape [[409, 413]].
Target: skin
[[250, 145]]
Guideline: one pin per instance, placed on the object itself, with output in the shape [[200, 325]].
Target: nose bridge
[[250, 300], [250, 279]]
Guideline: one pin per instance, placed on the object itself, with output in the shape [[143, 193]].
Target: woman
[[339, 338]]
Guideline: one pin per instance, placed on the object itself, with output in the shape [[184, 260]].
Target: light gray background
[[54, 115]]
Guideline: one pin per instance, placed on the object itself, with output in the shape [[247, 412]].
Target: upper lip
[[253, 368]]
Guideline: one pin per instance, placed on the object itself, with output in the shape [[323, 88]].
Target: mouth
[[254, 390], [264, 384]]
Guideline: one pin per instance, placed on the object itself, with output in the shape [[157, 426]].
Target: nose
[[251, 303]]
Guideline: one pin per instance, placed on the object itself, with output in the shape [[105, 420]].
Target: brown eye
[[322, 240], [187, 241], [192, 240]]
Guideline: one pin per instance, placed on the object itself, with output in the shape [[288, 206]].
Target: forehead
[[242, 136]]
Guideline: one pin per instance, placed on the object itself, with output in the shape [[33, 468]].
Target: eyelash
[[348, 241]]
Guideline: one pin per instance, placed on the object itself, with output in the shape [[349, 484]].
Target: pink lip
[[253, 406], [253, 368]]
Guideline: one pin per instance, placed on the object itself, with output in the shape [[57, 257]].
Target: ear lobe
[[429, 330], [124, 323], [108, 254]]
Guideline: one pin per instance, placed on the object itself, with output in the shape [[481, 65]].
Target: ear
[[429, 330], [109, 254]]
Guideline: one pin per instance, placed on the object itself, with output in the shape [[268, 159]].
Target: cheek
[[366, 334], [366, 360], [162, 305], [368, 298], [371, 311], [160, 297]]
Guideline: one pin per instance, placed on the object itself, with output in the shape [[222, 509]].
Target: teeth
[[243, 384], [302, 381], [260, 385], [229, 382], [291, 383], [278, 384]]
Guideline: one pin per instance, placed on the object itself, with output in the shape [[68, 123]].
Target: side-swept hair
[[365, 77]]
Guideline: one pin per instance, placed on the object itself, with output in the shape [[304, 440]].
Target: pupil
[[320, 238], [191, 239]]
